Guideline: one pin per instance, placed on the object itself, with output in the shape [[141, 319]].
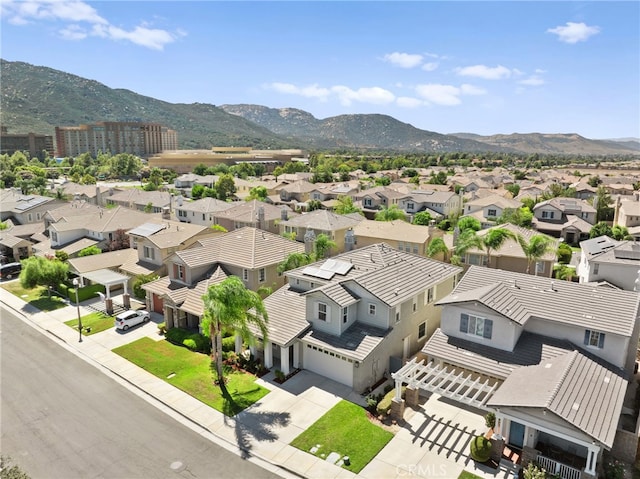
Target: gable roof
[[520, 297], [396, 230], [574, 388], [286, 310], [103, 219], [324, 220], [357, 342], [247, 211], [246, 247], [205, 205]]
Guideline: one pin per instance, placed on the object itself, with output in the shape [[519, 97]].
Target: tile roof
[[193, 300], [324, 220], [247, 211], [286, 310], [109, 259], [357, 342], [392, 276], [573, 387], [103, 219], [176, 233], [396, 230], [246, 247], [520, 296]]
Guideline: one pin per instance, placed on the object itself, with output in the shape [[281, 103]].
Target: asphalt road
[[63, 418]]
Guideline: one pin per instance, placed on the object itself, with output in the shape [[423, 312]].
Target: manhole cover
[[177, 466]]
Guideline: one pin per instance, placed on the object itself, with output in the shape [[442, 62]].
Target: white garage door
[[334, 367]]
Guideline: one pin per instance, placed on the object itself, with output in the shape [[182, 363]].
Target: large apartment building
[[141, 139], [38, 146]]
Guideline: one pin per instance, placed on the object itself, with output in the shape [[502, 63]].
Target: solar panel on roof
[[318, 272], [147, 229], [337, 266]]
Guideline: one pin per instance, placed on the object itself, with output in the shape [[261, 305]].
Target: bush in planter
[[385, 403], [190, 343], [279, 375], [490, 420], [480, 449], [229, 343]]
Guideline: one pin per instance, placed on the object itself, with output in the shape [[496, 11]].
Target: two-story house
[[254, 214], [438, 203], [140, 200], [376, 198], [25, 209], [397, 234], [489, 208], [604, 259], [355, 317], [568, 218], [251, 254], [550, 358], [319, 222], [627, 214], [201, 212]]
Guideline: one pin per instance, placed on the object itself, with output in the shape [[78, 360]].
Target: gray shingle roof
[[520, 296], [357, 342], [573, 387]]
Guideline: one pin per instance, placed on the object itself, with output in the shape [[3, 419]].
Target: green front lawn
[[191, 372], [37, 297], [97, 321], [345, 429], [468, 475]]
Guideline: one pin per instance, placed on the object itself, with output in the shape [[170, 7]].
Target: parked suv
[[10, 270], [131, 318]]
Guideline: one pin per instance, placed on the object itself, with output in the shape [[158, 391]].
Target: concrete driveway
[[433, 442]]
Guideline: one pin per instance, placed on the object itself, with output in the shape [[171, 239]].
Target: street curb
[[244, 451]]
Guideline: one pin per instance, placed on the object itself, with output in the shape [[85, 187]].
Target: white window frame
[[149, 253], [424, 335], [345, 314], [397, 316], [429, 294], [372, 309], [492, 212], [180, 271], [262, 275], [414, 305], [596, 268], [476, 326], [245, 274], [323, 312], [594, 339]]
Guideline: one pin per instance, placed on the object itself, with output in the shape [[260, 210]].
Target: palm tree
[[494, 239], [534, 249], [322, 246], [230, 305], [293, 261], [437, 246], [390, 214], [467, 240]]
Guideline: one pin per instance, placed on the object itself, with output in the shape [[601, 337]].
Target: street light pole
[[75, 285]]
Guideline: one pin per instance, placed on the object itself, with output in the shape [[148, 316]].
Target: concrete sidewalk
[[432, 442]]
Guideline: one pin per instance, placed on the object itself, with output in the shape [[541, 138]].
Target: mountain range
[[37, 99]]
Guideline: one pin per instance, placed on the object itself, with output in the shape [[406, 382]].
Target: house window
[[54, 236], [367, 201], [180, 271], [422, 330], [492, 212], [547, 215], [415, 248], [135, 243], [411, 206], [539, 267], [203, 217], [372, 309], [477, 259], [182, 214], [245, 275], [262, 275], [429, 295], [344, 314], [397, 316], [29, 217], [322, 311], [596, 267], [149, 253], [593, 338], [476, 326], [414, 305]]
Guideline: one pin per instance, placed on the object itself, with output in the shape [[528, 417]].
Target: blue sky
[[478, 67]]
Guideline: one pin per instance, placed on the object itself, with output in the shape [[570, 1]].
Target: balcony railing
[[558, 468]]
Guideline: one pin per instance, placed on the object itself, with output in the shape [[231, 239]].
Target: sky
[[444, 66]]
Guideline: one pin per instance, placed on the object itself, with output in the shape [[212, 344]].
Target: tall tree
[[322, 246], [534, 249], [230, 305], [37, 270], [602, 204], [600, 229], [494, 239], [225, 187], [469, 222], [391, 214], [422, 218], [345, 205], [437, 246]]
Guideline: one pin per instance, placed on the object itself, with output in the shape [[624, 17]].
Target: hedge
[[480, 448], [85, 293], [385, 404], [193, 341]]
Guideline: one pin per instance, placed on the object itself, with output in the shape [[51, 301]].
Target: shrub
[[229, 343], [388, 388], [490, 420], [279, 375], [190, 343], [203, 344], [564, 253], [385, 403], [614, 469], [533, 471], [480, 449], [162, 328], [177, 335]]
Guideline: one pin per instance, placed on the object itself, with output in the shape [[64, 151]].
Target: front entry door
[[516, 434]]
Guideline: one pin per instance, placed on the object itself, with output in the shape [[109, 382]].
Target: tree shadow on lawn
[[258, 425]]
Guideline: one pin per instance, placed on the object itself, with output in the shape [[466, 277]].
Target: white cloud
[[533, 80], [467, 89], [311, 91], [483, 71], [74, 12], [430, 66], [373, 95], [409, 102], [403, 60], [447, 95], [73, 32], [574, 32]]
